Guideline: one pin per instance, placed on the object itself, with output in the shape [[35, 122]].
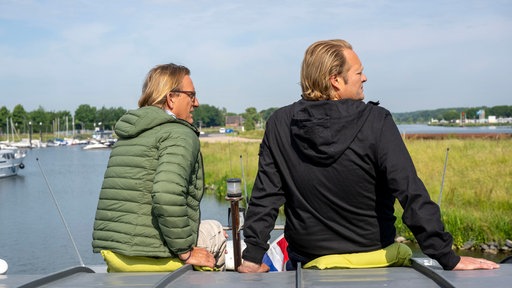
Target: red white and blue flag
[[277, 256]]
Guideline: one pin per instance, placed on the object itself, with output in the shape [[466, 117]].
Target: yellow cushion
[[122, 263], [396, 254]]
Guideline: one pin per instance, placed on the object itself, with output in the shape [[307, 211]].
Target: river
[[33, 237], [425, 129]]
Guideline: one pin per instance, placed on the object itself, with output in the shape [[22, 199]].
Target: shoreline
[[441, 136], [226, 139], [408, 136]]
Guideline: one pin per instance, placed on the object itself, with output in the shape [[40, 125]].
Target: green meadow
[[229, 160], [476, 201]]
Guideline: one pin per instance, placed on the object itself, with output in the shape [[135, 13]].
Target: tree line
[[87, 117]]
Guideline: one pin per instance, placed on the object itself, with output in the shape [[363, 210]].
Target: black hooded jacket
[[338, 167]]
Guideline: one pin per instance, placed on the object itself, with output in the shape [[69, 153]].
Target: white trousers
[[211, 237]]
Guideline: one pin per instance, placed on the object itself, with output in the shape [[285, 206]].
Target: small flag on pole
[[277, 256]]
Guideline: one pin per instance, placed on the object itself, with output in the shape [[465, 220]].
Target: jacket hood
[[322, 130], [135, 122]]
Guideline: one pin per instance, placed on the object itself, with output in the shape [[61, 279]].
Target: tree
[[85, 115], [451, 115], [116, 114], [208, 116], [102, 116], [501, 111], [109, 117], [19, 117], [4, 114], [471, 113], [251, 117], [39, 119], [265, 114]]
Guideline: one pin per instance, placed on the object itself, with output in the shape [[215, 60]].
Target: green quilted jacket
[[149, 199]]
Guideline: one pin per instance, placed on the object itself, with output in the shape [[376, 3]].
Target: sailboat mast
[[7, 128]]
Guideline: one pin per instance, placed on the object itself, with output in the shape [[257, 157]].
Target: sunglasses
[[191, 94]]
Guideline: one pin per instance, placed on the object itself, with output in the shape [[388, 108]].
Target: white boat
[[11, 161], [24, 143], [95, 146]]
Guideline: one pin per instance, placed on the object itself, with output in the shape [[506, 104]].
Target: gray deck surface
[[480, 278], [422, 274]]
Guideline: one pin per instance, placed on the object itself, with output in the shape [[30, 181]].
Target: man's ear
[[169, 101], [336, 82]]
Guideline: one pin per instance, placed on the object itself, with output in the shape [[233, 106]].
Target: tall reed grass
[[229, 160], [476, 201]]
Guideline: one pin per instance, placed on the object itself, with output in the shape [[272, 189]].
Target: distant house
[[234, 121]]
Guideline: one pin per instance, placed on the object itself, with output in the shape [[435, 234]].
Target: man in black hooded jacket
[[338, 164]]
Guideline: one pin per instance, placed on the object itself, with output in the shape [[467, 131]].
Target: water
[[425, 129], [33, 239]]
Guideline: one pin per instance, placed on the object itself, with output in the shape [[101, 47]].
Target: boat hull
[[11, 162]]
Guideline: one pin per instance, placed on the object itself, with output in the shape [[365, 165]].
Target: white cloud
[[245, 54]]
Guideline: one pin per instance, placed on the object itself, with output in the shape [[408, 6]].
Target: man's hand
[[199, 257], [250, 267], [470, 263]]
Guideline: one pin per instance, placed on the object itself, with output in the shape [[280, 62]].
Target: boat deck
[[423, 273]]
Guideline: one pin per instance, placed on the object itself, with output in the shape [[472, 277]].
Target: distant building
[[481, 115], [234, 121], [504, 120]]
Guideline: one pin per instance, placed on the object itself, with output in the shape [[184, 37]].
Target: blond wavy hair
[[159, 82], [322, 60]]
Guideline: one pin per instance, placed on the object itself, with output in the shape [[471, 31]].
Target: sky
[[417, 55]]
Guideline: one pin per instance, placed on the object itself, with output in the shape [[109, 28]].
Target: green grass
[[253, 134], [476, 202], [477, 193], [226, 160]]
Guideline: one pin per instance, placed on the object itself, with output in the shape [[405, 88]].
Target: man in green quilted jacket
[[149, 204]]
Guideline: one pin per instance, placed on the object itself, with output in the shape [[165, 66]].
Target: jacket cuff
[[253, 253], [449, 261]]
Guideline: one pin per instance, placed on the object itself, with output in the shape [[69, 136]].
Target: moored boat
[[11, 161], [95, 146]]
